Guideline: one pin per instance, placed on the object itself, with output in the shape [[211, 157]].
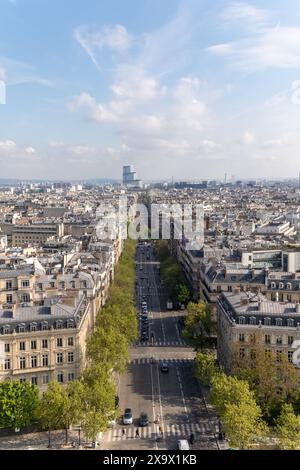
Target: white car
[[127, 416], [183, 445]]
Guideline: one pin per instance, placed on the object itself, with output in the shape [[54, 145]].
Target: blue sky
[[183, 88]]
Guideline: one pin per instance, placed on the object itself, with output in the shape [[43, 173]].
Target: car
[[144, 336], [144, 303], [144, 420], [164, 367], [145, 321], [117, 401], [127, 416], [183, 444]]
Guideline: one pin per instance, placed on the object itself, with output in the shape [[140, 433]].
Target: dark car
[[164, 367], [144, 420], [144, 336]]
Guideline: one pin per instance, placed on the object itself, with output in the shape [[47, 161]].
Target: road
[[173, 399]]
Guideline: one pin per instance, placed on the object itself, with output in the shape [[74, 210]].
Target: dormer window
[[70, 323], [33, 327], [242, 320], [289, 286], [290, 322], [21, 328], [59, 324], [267, 321], [273, 285], [44, 326], [6, 330], [278, 321], [252, 320], [281, 285]]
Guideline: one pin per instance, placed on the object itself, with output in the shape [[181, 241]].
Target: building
[[35, 234], [47, 343], [247, 320], [130, 179]]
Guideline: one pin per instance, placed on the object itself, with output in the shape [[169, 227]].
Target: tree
[[206, 368], [98, 400], [108, 346], [52, 408], [18, 404], [199, 324], [273, 381], [229, 390], [183, 294], [288, 429], [242, 423]]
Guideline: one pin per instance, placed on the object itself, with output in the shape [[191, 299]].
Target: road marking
[[182, 394], [153, 402]]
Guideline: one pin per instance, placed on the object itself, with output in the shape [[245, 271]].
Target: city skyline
[[184, 89]]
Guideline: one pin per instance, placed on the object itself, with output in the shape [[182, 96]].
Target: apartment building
[[35, 234], [46, 343], [246, 320]]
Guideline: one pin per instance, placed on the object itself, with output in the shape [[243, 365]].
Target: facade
[[47, 343], [246, 320], [129, 177], [36, 234]]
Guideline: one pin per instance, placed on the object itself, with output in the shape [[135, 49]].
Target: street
[[172, 400]]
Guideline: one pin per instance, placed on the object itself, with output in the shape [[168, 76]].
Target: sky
[[188, 89]]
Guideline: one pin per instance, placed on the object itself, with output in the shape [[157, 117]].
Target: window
[[242, 353], [71, 341], [60, 377], [40, 286], [34, 380], [290, 356], [7, 347], [22, 362], [290, 340], [278, 355], [52, 285], [281, 285], [70, 323], [289, 286], [59, 325], [279, 340], [9, 299], [25, 283], [45, 379], [242, 320], [59, 358], [267, 339], [253, 354], [273, 285], [6, 330], [45, 361], [241, 338], [289, 297], [268, 353], [252, 339], [22, 346], [33, 361], [62, 285], [22, 380], [21, 329], [267, 321], [70, 357], [219, 289], [71, 376], [252, 320], [33, 327], [290, 323], [25, 298], [44, 343], [73, 285], [278, 321], [59, 342], [8, 285], [7, 364], [44, 326], [33, 344], [229, 288]]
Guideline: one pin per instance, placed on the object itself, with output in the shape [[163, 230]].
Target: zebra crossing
[[151, 432], [150, 360], [162, 343]]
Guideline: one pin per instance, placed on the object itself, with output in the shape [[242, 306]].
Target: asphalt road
[[173, 399]]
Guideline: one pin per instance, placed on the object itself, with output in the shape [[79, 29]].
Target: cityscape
[[149, 229]]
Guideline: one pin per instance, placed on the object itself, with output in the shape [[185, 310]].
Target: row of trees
[[172, 274], [239, 400], [91, 400]]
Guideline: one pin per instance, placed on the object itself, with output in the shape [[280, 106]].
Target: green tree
[[108, 346], [198, 324], [229, 390], [183, 294], [52, 408], [242, 423], [18, 404], [205, 367], [288, 429]]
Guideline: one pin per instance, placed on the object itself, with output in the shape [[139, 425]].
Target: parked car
[[144, 420], [183, 444], [127, 416]]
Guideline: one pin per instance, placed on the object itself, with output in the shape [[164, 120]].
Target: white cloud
[[30, 150], [248, 137], [237, 11], [81, 150], [92, 41], [7, 146], [110, 112]]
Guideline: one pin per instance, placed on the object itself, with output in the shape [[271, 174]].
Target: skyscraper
[[130, 178]]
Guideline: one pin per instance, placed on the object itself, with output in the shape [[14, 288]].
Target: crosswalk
[[150, 360], [162, 343], [151, 432]]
